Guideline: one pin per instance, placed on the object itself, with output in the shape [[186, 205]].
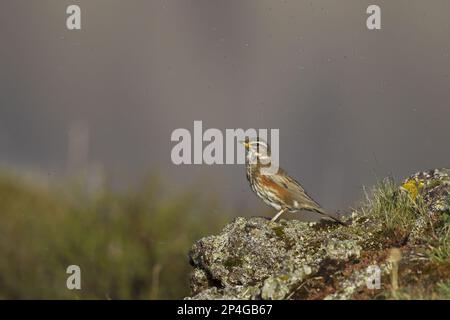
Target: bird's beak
[[246, 144]]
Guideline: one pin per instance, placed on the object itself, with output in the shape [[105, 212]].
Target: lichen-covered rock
[[434, 188], [254, 258]]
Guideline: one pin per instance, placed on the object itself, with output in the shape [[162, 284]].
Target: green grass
[[397, 210], [394, 208], [440, 250], [444, 289]]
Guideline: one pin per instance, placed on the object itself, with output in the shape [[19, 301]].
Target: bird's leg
[[278, 214]]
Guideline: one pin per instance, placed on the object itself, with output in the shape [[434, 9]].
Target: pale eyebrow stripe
[[260, 142]]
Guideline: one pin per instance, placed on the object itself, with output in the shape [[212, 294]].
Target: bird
[[278, 190]]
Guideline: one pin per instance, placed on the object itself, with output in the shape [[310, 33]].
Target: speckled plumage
[[278, 190]]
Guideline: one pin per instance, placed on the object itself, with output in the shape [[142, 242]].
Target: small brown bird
[[278, 190]]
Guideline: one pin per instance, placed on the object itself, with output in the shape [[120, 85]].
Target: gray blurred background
[[352, 105]]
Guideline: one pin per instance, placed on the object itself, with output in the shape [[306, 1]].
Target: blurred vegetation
[[129, 245]]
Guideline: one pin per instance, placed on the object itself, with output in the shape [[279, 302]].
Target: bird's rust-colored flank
[[280, 190]]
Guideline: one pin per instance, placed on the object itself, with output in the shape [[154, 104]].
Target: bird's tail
[[332, 217]]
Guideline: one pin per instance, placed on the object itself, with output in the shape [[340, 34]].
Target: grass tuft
[[394, 208]]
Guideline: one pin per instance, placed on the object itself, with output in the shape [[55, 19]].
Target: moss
[[433, 184], [279, 232], [232, 262]]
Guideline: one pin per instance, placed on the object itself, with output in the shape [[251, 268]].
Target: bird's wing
[[293, 192], [308, 203]]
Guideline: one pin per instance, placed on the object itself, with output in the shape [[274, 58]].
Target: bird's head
[[257, 149]]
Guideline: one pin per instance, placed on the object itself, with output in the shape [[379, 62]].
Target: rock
[[254, 258]]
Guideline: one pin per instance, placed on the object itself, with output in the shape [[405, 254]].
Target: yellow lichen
[[413, 188]]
